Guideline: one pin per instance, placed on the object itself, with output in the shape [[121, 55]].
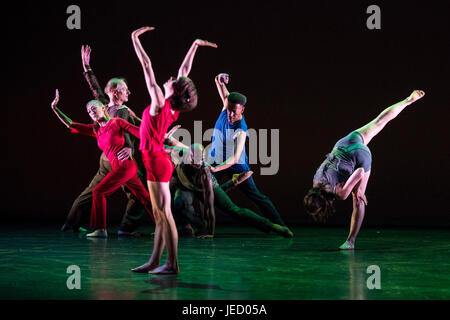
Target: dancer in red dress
[[180, 96], [109, 134]]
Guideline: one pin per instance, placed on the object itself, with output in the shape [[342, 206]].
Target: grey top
[[349, 154]]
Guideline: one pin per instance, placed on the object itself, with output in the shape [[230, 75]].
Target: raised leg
[[374, 127]]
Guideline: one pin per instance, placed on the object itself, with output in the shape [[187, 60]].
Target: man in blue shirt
[[228, 154]]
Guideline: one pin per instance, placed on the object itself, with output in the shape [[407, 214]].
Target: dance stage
[[239, 264]]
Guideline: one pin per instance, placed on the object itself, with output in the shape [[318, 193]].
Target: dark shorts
[[353, 149]]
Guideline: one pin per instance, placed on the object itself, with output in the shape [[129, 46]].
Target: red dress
[[157, 162], [110, 139]]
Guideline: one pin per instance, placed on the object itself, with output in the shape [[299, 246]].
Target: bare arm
[[208, 197], [186, 66], [172, 142], [234, 159], [156, 94], [61, 116], [221, 82], [344, 192]]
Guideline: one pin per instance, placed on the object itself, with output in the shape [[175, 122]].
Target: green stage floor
[[239, 264]]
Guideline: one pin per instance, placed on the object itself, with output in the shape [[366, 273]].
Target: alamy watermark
[[74, 20], [263, 146], [74, 280], [374, 20], [374, 281]]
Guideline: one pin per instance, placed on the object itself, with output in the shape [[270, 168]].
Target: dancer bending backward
[[110, 136], [117, 93], [180, 96], [347, 170], [228, 148]]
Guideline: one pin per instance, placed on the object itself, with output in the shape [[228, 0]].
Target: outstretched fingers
[[142, 30], [205, 43], [85, 54], [172, 131], [223, 78]]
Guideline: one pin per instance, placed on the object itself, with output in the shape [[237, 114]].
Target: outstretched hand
[[204, 43], [172, 131], [223, 78], [138, 32], [416, 95], [56, 100], [85, 57]]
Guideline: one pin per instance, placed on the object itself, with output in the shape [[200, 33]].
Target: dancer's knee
[[161, 215]]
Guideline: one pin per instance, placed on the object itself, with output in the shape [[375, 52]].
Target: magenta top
[[109, 138], [154, 128]]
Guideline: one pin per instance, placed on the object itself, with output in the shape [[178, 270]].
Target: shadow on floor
[[171, 282]]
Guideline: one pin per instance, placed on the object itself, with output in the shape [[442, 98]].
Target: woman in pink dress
[[180, 95], [109, 133]]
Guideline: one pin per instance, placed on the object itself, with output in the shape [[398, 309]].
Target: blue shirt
[[223, 144]]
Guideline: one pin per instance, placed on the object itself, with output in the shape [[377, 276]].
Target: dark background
[[312, 70]]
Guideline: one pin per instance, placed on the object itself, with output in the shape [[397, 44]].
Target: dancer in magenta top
[[180, 96], [109, 134]]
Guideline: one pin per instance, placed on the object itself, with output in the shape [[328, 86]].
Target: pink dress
[[157, 162]]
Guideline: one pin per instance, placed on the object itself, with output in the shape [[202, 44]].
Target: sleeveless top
[[154, 128]]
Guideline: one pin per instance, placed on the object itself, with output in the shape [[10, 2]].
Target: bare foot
[[416, 95], [202, 232], [205, 236], [165, 270], [145, 268], [241, 177], [347, 246], [282, 231]]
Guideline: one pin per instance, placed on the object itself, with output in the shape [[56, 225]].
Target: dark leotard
[[349, 154]]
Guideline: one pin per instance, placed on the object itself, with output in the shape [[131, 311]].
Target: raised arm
[[156, 94], [90, 77], [186, 66], [61, 116], [234, 159], [221, 82], [208, 198]]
